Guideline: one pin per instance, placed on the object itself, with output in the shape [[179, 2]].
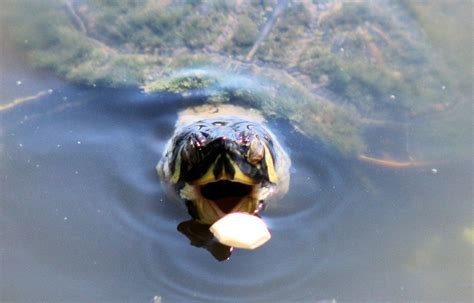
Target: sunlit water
[[84, 218]]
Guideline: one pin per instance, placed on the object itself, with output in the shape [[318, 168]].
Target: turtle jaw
[[224, 188], [213, 200]]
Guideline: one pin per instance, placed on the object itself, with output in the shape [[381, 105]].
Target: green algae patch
[[371, 55], [323, 66], [53, 41], [276, 94], [445, 135], [182, 84]]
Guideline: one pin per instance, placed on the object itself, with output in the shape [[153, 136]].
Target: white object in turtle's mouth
[[216, 199], [241, 230]]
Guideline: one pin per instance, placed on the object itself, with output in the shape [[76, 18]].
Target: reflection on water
[[84, 218]]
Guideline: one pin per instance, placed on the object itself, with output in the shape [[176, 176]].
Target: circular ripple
[[285, 267], [124, 149]]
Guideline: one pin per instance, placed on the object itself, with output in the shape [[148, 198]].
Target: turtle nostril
[[222, 139]]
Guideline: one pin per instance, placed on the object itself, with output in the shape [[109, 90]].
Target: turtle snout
[[224, 143]]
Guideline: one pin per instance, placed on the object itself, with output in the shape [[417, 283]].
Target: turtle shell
[[332, 68]]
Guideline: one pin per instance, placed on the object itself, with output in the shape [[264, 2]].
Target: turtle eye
[[199, 139], [243, 138], [256, 151], [191, 151]]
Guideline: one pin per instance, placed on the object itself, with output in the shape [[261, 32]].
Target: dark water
[[83, 217]]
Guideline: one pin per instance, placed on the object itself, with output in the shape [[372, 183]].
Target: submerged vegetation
[[322, 64], [52, 41]]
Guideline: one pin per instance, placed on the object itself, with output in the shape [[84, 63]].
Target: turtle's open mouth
[[216, 198], [226, 195], [223, 188]]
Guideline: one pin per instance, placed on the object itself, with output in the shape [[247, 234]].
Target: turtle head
[[220, 166]]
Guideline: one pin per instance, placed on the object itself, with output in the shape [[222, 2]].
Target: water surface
[[84, 218]]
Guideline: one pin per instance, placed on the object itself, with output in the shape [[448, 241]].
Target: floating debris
[[18, 101]]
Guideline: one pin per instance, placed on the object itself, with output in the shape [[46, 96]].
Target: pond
[[84, 218]]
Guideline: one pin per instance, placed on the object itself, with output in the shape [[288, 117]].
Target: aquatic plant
[[319, 64]]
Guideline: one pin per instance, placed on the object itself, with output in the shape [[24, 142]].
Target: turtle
[[337, 71], [223, 160]]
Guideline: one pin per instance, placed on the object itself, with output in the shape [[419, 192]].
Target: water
[[84, 219]]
